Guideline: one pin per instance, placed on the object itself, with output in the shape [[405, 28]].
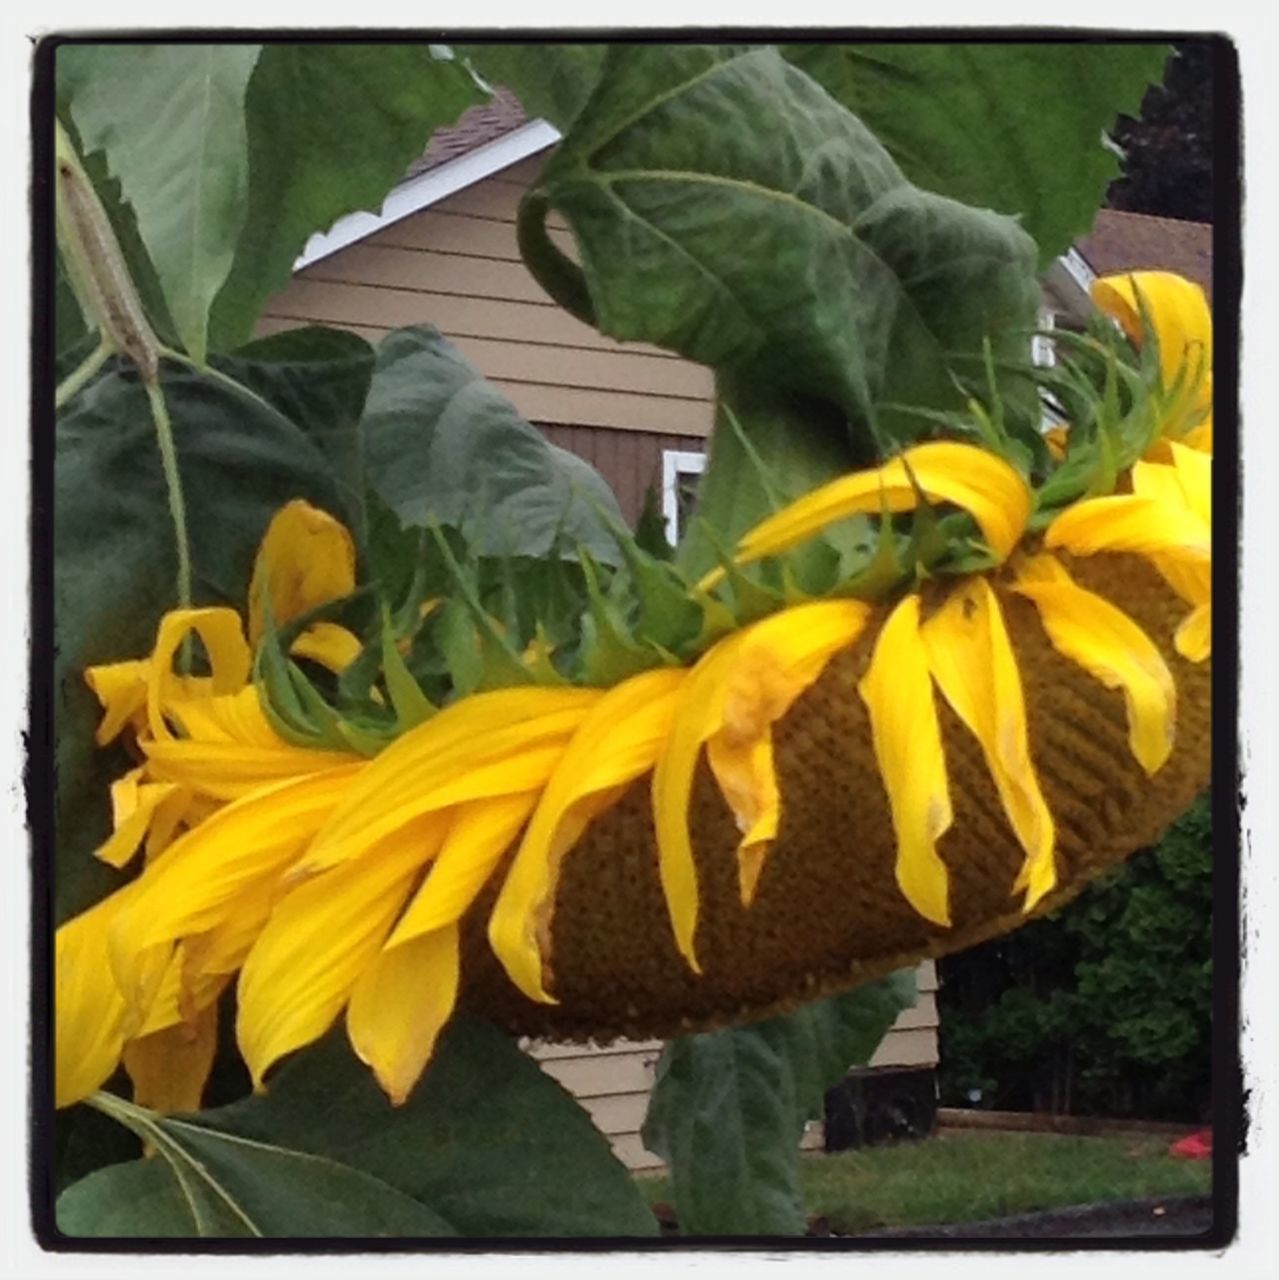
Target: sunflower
[[1008, 695]]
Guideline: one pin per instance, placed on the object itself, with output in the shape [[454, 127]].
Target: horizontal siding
[[613, 1081]]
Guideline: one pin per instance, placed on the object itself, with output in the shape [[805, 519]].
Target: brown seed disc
[[828, 913]]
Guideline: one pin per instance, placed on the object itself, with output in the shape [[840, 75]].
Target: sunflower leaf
[[729, 1107], [486, 1145]]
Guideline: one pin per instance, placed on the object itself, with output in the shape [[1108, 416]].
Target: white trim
[[429, 188], [1077, 267], [1043, 350], [676, 463]]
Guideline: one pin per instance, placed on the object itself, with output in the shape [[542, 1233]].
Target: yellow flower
[[821, 796]]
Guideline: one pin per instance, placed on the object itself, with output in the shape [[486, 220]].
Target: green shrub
[[1104, 1007]]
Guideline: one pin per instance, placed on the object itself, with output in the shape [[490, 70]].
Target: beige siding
[[613, 1081], [456, 265]]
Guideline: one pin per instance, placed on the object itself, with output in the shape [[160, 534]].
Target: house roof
[[475, 126], [1121, 241]]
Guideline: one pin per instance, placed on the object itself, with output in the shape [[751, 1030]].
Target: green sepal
[[668, 616], [650, 528], [751, 599], [412, 706], [608, 653], [537, 659]]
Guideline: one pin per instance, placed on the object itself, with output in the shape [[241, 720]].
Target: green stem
[[78, 377], [766, 449], [173, 482]]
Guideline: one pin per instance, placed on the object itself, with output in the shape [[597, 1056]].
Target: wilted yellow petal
[[400, 1004], [618, 741], [332, 646], [738, 688], [479, 834], [229, 658], [1129, 522], [319, 939], [170, 1067], [121, 688], [88, 1008], [1194, 474], [972, 660], [307, 558], [133, 804], [898, 692], [189, 889], [1194, 637], [1181, 319], [493, 743], [747, 778], [984, 485], [1112, 648]]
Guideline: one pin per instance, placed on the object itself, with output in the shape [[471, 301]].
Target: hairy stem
[[173, 482], [79, 376]]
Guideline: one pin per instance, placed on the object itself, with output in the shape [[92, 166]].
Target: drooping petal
[[439, 763], [189, 889], [898, 692], [971, 658], [1193, 639], [1112, 648], [1194, 474], [478, 836], [400, 1004], [87, 1005], [306, 559], [984, 485], [332, 646], [1129, 522], [133, 808], [321, 936], [229, 659], [170, 1067], [747, 778], [121, 688], [618, 740]]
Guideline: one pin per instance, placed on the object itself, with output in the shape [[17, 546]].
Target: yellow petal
[[170, 1067], [400, 1004], [134, 806], [1194, 637], [478, 836], [984, 485], [121, 688], [972, 660], [306, 559], [1112, 648], [178, 807], [1194, 474], [778, 659], [189, 889], [500, 739], [321, 936], [898, 692], [229, 658], [1180, 317], [618, 740], [332, 646], [88, 1007], [1130, 522]]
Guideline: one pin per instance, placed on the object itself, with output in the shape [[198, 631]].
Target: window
[[681, 471]]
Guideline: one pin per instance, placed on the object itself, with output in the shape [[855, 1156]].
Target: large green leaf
[[552, 81], [729, 1107], [727, 208], [170, 120], [442, 444], [114, 557], [487, 1145], [331, 129], [1011, 126]]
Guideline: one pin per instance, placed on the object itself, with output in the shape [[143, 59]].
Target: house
[[443, 250]]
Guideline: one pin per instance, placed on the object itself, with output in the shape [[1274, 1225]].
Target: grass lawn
[[966, 1177]]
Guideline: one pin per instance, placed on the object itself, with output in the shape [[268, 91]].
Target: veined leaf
[[729, 1107], [729, 209], [552, 81], [443, 445], [331, 129], [486, 1145], [1015, 127], [170, 119]]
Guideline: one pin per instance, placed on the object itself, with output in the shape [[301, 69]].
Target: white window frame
[[677, 463]]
